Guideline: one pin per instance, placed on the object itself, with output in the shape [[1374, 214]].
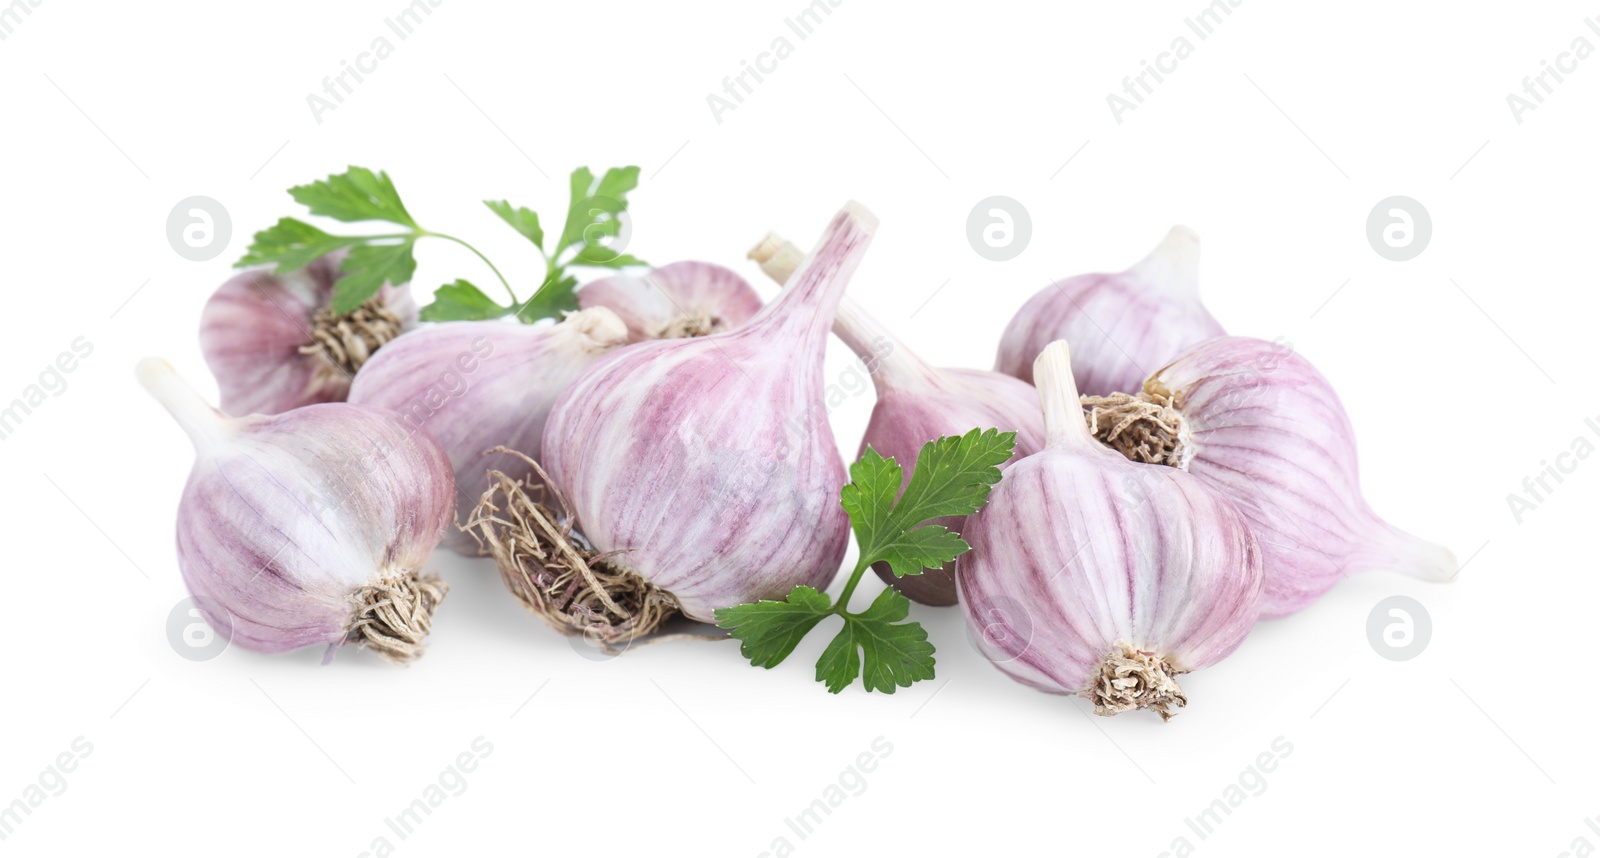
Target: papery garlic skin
[[684, 299], [1270, 434], [1121, 326], [479, 385], [1107, 578], [707, 464], [309, 527], [273, 343], [918, 403]]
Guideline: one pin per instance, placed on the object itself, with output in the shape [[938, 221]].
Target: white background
[[1462, 370]]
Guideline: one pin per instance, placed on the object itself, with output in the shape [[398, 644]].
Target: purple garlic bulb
[[918, 403], [274, 343], [480, 385], [309, 527], [1121, 326], [684, 299], [1093, 575], [705, 468], [1259, 425]]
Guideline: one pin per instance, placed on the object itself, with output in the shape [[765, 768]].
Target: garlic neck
[[811, 294], [1064, 425], [595, 329], [206, 426], [890, 363], [1174, 266]]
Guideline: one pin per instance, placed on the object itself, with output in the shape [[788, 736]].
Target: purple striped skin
[[253, 326], [708, 463], [918, 403], [478, 385], [1121, 326], [1271, 436], [1079, 550], [285, 517], [651, 302]]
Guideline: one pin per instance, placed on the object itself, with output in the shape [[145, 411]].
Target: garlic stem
[[206, 426], [821, 277], [1058, 395], [1392, 549], [1175, 263], [890, 363]]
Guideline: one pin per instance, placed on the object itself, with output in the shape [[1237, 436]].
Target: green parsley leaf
[[521, 219], [367, 268], [927, 547], [771, 630], [952, 478], [895, 654], [594, 213], [552, 299], [461, 302], [356, 195], [290, 245]]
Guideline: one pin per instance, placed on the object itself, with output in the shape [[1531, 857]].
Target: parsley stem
[[842, 606], [485, 259]]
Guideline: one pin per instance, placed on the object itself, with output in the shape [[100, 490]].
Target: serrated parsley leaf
[[356, 195], [523, 220], [367, 268], [550, 301], [594, 213], [461, 302], [875, 645], [290, 245], [769, 630], [927, 547], [952, 477]]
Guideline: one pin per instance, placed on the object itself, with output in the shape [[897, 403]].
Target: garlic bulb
[[700, 473], [274, 344], [1121, 326], [309, 527], [684, 299], [478, 385], [918, 403], [1261, 426], [1132, 574]]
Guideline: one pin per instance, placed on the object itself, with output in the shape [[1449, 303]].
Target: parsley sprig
[[952, 477], [360, 195]]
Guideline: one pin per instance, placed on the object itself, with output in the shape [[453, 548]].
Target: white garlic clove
[[706, 467], [1093, 575], [1259, 424], [1121, 326], [480, 385], [309, 527], [684, 299], [918, 403], [273, 343]]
